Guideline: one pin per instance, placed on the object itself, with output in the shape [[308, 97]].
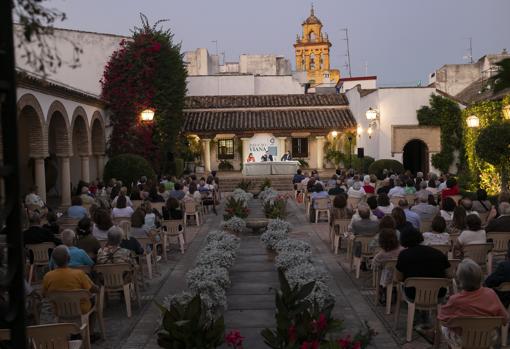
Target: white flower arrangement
[[268, 194], [212, 293], [271, 237], [321, 295], [226, 244], [279, 224], [216, 258], [292, 245], [288, 259], [196, 276], [234, 225], [306, 273], [179, 298], [240, 195]]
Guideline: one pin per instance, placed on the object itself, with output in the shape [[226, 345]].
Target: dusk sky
[[401, 41]]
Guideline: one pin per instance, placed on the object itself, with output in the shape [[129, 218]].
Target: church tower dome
[[312, 19]]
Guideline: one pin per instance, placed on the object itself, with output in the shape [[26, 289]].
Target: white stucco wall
[[97, 49], [365, 84]]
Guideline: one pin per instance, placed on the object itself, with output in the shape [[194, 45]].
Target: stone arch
[[59, 130], [80, 132], [97, 134], [31, 121]]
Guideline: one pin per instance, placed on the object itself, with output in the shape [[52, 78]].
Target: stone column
[[206, 147], [100, 166], [307, 61], [320, 152], [85, 168], [246, 149], [325, 55], [281, 147], [65, 181], [40, 177]]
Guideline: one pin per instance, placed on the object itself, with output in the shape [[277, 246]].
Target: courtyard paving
[[251, 296]]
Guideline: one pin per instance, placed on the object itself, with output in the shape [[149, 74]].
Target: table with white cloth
[[270, 168]]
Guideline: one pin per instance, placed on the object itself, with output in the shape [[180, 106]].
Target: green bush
[[175, 168], [377, 167], [128, 168], [363, 163]]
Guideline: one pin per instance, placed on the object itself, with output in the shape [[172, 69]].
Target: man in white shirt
[[397, 190]]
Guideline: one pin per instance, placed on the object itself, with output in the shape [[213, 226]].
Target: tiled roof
[[266, 120], [478, 91], [265, 101]]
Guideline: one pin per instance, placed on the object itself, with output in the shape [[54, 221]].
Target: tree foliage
[[146, 72], [128, 168], [501, 80], [446, 114]]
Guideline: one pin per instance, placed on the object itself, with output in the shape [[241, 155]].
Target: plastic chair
[[51, 336], [120, 220], [190, 209], [504, 287], [353, 202], [68, 223], [66, 305], [390, 266], [425, 225], [410, 198], [476, 332], [443, 248], [395, 200], [114, 281], [500, 242], [426, 298], [172, 229], [150, 257], [136, 204], [484, 216], [336, 230], [322, 207], [452, 272], [158, 206], [41, 256], [366, 252], [478, 253], [456, 198]]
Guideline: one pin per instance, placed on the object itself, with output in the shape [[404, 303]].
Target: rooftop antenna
[[346, 30], [469, 56]]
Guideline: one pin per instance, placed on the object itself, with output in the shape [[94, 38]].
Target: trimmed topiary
[[128, 168], [377, 167]]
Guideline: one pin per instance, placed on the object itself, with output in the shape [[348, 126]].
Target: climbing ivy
[[481, 173], [446, 114]]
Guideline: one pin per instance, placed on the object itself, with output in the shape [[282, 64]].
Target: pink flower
[[156, 47], [357, 345], [322, 322], [234, 339], [345, 342]]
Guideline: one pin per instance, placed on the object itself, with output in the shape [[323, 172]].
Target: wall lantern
[[370, 131], [473, 121], [147, 115], [506, 112], [371, 114], [334, 134]]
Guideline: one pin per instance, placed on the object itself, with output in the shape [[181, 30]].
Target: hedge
[[128, 168], [377, 167]]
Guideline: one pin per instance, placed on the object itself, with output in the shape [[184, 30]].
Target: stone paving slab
[[254, 301]]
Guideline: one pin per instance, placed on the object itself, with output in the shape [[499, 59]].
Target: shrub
[[278, 224], [175, 168], [236, 208], [234, 225], [128, 168], [363, 163], [377, 167], [244, 185], [265, 184], [272, 237]]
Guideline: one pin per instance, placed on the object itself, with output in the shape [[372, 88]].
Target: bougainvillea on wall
[[146, 72]]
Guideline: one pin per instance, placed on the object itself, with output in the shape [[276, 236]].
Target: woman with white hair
[[367, 185], [112, 252], [472, 301], [356, 191], [77, 256]]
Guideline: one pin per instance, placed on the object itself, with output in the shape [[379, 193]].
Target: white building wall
[[269, 85], [365, 84], [97, 49]]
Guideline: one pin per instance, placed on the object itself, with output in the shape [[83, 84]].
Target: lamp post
[[147, 115], [350, 151]]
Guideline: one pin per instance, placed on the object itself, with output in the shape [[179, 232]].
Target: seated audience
[[473, 234], [402, 225], [122, 210], [177, 192], [397, 190], [418, 260], [172, 210], [33, 199], [64, 278], [52, 224], [451, 188], [332, 181], [472, 301], [411, 216], [337, 189], [438, 235], [318, 193], [76, 210], [128, 242], [468, 206], [151, 217], [86, 197], [385, 187], [340, 209], [481, 204], [102, 223], [390, 249], [410, 187], [87, 241], [367, 185], [193, 194], [372, 203], [298, 177], [154, 195], [499, 276], [356, 191], [448, 207], [458, 222], [77, 256], [137, 223], [432, 187], [426, 211], [36, 234], [383, 203], [502, 223], [364, 226], [112, 252]]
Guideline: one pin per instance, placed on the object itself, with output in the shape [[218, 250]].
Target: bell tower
[[312, 50]]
